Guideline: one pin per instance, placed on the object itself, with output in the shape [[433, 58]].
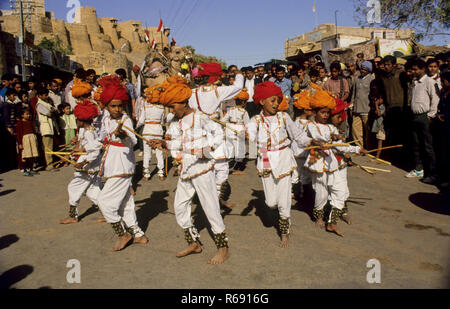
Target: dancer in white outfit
[[193, 139], [323, 163], [273, 132], [86, 178], [152, 117], [118, 164]]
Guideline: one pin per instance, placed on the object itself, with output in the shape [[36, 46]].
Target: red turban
[[340, 108], [86, 110], [266, 90], [211, 69], [112, 89]]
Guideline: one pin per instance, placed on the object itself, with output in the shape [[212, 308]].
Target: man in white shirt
[[424, 103], [55, 93]]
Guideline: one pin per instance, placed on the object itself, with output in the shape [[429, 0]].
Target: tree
[[55, 45], [198, 58], [426, 17]]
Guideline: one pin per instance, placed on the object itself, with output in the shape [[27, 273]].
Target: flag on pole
[[147, 38], [314, 6], [160, 25], [173, 41], [153, 44]]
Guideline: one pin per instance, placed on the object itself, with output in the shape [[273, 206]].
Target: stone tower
[[35, 7]]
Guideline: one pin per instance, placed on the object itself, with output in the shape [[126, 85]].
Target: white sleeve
[[246, 118], [344, 149], [226, 118], [299, 136], [228, 92], [131, 139], [174, 144], [41, 109]]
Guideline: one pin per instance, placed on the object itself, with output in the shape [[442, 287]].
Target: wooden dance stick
[[384, 148], [365, 169], [65, 159], [66, 153], [326, 146], [382, 161], [225, 125], [376, 169], [135, 133]]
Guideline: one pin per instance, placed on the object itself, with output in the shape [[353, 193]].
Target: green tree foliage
[[426, 17], [198, 58], [55, 45]]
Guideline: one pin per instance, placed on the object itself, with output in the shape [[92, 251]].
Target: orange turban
[[80, 88], [284, 106], [173, 90], [323, 99], [243, 95], [302, 100]]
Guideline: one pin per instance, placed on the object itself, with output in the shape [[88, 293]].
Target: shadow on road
[[7, 240], [7, 192], [151, 207], [432, 202], [14, 275], [269, 217], [91, 210]]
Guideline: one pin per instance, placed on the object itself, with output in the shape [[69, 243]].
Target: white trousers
[[239, 150], [148, 156], [303, 175], [278, 194], [341, 174], [221, 171], [84, 182], [117, 203], [329, 186], [204, 186]]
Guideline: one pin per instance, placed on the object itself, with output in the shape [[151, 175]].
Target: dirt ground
[[401, 222]]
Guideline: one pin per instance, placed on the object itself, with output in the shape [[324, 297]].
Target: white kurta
[[303, 175], [191, 139], [152, 117]]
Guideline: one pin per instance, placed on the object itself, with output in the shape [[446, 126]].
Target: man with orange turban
[[323, 163], [236, 119], [192, 140], [207, 99], [273, 132], [86, 178], [118, 164]]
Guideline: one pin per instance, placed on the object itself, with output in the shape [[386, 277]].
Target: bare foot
[[284, 241], [334, 228], [68, 220], [346, 219], [227, 204], [320, 224], [237, 173], [121, 242], [193, 248], [220, 257], [140, 240], [101, 220]]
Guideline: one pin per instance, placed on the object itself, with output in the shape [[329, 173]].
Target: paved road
[[400, 222]]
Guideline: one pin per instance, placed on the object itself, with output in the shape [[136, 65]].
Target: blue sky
[[242, 32]]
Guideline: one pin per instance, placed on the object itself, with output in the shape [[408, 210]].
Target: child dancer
[[236, 119], [118, 164], [191, 142], [273, 132], [27, 142], [86, 169], [323, 163], [152, 117], [302, 103]]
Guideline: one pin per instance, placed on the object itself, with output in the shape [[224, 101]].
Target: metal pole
[[22, 41], [335, 24], [119, 57]]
